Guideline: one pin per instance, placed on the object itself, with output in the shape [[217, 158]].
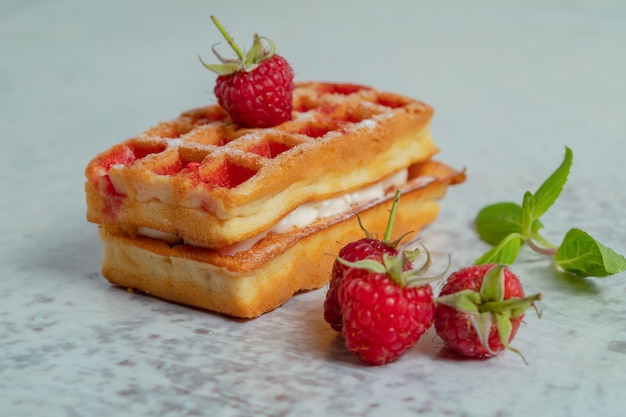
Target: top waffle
[[206, 179]]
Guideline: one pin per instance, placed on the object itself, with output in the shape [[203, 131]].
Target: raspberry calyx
[[256, 87], [396, 266], [245, 62], [488, 306]]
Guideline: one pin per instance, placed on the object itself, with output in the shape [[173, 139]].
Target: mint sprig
[[506, 226], [582, 255]]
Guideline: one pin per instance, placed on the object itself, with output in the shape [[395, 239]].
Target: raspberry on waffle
[[203, 212], [203, 178]]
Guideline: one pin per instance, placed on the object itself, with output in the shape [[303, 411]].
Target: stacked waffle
[[236, 220]]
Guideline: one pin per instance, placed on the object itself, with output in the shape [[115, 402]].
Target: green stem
[[392, 217], [544, 251], [536, 236], [228, 38]]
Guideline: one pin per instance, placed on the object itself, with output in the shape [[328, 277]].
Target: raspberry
[[381, 319], [366, 248], [256, 89], [479, 310], [259, 98], [376, 299]]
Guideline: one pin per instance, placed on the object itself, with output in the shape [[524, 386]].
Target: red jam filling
[[171, 169], [113, 200], [269, 149], [126, 154], [228, 175]]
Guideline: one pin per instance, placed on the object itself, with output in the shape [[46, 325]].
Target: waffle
[[258, 280], [202, 212], [213, 183]]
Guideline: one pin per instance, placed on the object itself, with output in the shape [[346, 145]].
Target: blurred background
[[510, 81]]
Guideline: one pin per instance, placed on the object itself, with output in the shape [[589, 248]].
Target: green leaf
[[550, 190], [497, 221], [583, 256], [504, 253]]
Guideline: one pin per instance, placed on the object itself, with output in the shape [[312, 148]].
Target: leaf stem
[[228, 38], [539, 249]]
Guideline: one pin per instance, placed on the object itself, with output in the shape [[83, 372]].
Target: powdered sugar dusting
[[367, 124], [174, 143]]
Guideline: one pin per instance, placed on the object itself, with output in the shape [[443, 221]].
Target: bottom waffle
[[264, 277]]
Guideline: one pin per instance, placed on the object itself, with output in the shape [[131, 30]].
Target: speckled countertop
[[512, 83]]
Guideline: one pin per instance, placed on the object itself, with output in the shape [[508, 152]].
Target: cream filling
[[302, 216]]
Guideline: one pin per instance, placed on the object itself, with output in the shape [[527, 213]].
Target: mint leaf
[[504, 253], [550, 190], [497, 221], [506, 226], [583, 256]]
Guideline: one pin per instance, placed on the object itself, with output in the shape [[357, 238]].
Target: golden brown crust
[[203, 178], [264, 277]]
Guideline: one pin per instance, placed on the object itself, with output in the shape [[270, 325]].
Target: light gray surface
[[512, 84]]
